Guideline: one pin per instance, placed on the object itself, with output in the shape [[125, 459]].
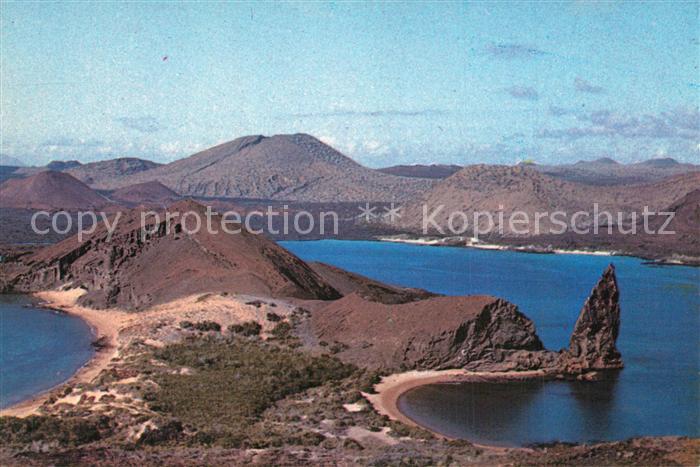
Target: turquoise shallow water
[[656, 394], [38, 348]]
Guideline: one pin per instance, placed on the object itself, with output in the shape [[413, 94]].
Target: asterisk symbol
[[367, 212], [393, 213]]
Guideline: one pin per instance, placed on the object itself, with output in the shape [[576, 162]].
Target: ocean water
[[38, 348], [657, 393]]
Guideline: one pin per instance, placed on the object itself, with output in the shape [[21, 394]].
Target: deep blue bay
[[657, 393], [38, 348]]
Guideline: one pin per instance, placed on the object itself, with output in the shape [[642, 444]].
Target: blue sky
[[386, 83]]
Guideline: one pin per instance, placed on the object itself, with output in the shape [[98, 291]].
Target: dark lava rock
[[592, 345]]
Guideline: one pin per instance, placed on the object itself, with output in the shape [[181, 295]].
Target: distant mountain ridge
[[601, 160], [301, 168], [607, 171], [486, 188], [660, 162], [601, 171], [92, 173], [283, 167], [98, 173], [63, 165]]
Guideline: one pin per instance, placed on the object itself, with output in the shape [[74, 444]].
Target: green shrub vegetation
[[203, 326], [66, 431], [274, 317], [207, 326], [249, 328], [233, 382], [282, 331]]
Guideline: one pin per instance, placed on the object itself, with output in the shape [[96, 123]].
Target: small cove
[[39, 348], [656, 394]]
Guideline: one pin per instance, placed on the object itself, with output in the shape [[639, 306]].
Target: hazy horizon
[[385, 83], [6, 160]]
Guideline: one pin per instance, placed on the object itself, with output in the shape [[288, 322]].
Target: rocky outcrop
[[593, 342], [476, 333], [498, 338], [139, 266]]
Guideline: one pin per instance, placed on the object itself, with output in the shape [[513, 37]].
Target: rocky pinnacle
[[592, 345]]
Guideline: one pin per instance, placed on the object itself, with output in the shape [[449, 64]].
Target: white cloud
[[372, 145]]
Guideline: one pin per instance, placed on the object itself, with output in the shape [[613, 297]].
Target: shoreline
[[461, 243], [103, 324], [693, 262], [389, 390]]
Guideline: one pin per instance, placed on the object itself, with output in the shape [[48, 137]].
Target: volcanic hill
[[139, 267], [97, 174], [49, 190], [686, 219], [144, 193], [673, 239], [284, 167], [488, 188]]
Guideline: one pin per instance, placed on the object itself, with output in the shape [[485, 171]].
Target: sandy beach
[[390, 389], [107, 325], [478, 245], [104, 324]]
